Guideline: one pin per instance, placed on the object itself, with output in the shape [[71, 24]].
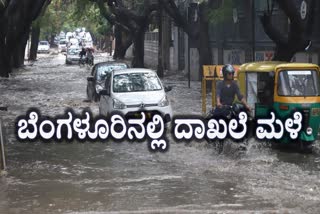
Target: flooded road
[[113, 177]]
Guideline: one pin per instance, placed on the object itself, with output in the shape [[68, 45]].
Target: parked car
[[132, 91], [98, 75], [43, 47], [72, 56], [62, 46]]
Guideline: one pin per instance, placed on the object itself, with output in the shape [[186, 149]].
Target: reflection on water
[[80, 177], [126, 178]]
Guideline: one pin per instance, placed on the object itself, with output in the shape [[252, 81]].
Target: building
[[239, 38]]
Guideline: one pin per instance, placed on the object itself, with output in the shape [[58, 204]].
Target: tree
[[122, 34], [196, 26], [134, 18], [16, 18], [299, 32], [35, 34]]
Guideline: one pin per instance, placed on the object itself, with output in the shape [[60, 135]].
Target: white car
[[62, 46], [72, 56], [135, 90], [43, 47]]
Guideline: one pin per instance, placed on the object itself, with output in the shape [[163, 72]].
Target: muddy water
[[112, 177]]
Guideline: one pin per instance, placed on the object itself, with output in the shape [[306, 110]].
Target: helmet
[[226, 70]]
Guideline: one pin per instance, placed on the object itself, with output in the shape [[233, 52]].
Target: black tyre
[[306, 147]]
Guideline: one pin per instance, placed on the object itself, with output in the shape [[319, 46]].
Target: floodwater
[[124, 177]]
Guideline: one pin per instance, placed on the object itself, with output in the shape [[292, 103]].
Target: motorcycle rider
[[82, 54], [228, 88], [90, 57]]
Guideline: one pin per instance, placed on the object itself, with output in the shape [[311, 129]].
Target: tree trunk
[[18, 56], [138, 49], [123, 42], [205, 54], [15, 22], [110, 44], [35, 34], [166, 41], [299, 34], [51, 39], [160, 46], [5, 67], [118, 46], [283, 53]]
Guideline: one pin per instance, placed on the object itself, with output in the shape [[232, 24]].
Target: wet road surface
[[113, 177]]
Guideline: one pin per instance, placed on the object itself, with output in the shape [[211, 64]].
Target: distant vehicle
[[62, 45], [87, 44], [69, 35], [56, 40], [74, 42], [43, 47], [98, 75], [132, 91], [72, 56], [62, 35]]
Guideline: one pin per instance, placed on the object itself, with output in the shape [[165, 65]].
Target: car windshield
[[43, 43], [63, 42], [103, 70], [134, 82], [73, 51], [298, 83]]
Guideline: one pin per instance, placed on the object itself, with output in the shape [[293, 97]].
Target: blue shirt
[[227, 92]]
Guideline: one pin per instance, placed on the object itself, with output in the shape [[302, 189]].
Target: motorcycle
[[227, 113], [82, 62], [90, 60]]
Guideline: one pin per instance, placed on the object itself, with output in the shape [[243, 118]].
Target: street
[[124, 177]]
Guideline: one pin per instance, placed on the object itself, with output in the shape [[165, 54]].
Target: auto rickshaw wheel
[[306, 147], [216, 144]]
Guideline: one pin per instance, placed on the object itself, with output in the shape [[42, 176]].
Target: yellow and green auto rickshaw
[[284, 88]]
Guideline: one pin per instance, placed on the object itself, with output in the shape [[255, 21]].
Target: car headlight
[[118, 104], [164, 102], [309, 131], [98, 88]]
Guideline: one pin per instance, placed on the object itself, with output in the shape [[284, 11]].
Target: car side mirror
[[65, 54], [104, 92], [167, 88], [91, 78]]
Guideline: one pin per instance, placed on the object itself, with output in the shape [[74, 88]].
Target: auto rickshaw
[[284, 88]]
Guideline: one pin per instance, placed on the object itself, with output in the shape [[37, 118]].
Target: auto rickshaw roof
[[267, 66], [296, 65], [263, 66]]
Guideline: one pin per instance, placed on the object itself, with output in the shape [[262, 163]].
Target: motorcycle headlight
[[309, 131], [164, 102], [118, 104]]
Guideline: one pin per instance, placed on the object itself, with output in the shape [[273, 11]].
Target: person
[[90, 57], [228, 88], [82, 53]]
